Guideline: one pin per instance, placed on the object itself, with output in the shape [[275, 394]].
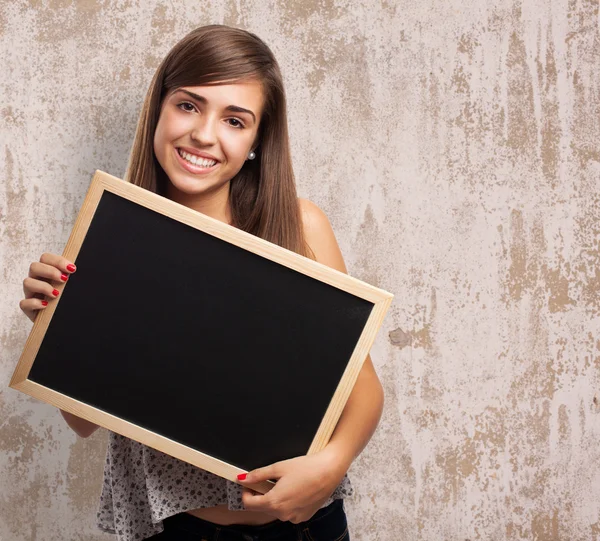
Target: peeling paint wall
[[455, 147]]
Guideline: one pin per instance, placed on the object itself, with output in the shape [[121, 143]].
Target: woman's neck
[[214, 204]]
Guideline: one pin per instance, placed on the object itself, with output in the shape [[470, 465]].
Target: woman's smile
[[196, 163]]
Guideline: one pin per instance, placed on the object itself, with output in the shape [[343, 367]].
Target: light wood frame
[[104, 182]]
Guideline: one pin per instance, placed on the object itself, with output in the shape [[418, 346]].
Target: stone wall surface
[[455, 147]]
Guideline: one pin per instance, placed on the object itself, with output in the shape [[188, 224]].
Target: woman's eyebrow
[[232, 108]]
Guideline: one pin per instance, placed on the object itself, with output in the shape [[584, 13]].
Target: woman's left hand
[[303, 485]]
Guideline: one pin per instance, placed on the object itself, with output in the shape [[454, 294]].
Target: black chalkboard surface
[[196, 338]]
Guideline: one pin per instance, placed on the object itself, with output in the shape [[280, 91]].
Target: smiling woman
[[212, 77], [201, 146], [212, 135]]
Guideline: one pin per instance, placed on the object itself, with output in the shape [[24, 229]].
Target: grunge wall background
[[455, 147]]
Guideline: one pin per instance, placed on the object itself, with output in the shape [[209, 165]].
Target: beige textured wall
[[456, 148]]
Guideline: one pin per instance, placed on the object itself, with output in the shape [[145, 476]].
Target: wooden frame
[[103, 182]]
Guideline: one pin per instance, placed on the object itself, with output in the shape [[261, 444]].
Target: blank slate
[[196, 338]]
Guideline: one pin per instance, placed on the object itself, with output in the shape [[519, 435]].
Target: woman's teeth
[[196, 160]]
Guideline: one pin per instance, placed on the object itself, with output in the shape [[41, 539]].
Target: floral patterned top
[[142, 487]]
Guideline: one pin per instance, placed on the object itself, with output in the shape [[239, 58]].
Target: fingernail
[[44, 303], [64, 277], [55, 293], [242, 476], [71, 268]]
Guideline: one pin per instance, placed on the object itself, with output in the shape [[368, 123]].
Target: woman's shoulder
[[313, 218], [319, 235]]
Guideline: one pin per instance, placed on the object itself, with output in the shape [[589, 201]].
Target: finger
[[254, 501], [33, 287], [58, 261], [274, 471], [44, 271], [31, 305]]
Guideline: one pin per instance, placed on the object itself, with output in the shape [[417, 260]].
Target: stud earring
[[252, 155]]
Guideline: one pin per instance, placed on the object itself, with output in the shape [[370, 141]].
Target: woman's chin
[[190, 187]]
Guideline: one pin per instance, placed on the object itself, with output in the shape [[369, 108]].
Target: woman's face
[[214, 126]]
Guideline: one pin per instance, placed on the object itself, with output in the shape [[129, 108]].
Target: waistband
[[190, 523]]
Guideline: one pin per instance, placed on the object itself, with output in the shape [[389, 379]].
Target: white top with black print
[[142, 487]]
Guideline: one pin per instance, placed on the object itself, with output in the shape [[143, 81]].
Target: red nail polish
[[242, 476], [44, 303], [64, 277], [71, 268], [55, 293]]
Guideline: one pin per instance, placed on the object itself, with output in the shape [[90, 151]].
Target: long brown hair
[[263, 194]]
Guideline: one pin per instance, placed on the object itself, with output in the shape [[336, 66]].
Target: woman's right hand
[[38, 286]]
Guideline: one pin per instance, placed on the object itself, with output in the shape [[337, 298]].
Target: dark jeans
[[327, 524]]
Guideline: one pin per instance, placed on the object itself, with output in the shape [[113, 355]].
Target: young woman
[[212, 135]]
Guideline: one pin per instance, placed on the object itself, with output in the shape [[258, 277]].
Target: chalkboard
[[196, 338]]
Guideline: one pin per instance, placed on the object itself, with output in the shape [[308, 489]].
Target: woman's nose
[[205, 131]]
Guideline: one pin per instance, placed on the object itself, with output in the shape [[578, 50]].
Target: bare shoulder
[[320, 236]]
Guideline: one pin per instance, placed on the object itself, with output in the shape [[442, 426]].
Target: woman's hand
[[38, 286], [303, 485]]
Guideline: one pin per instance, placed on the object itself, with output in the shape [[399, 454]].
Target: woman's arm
[[365, 404], [305, 483], [80, 426], [359, 419], [39, 289]]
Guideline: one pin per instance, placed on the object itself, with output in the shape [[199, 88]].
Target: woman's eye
[[236, 123], [186, 106]]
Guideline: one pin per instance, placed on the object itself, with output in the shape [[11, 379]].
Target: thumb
[[261, 474]]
